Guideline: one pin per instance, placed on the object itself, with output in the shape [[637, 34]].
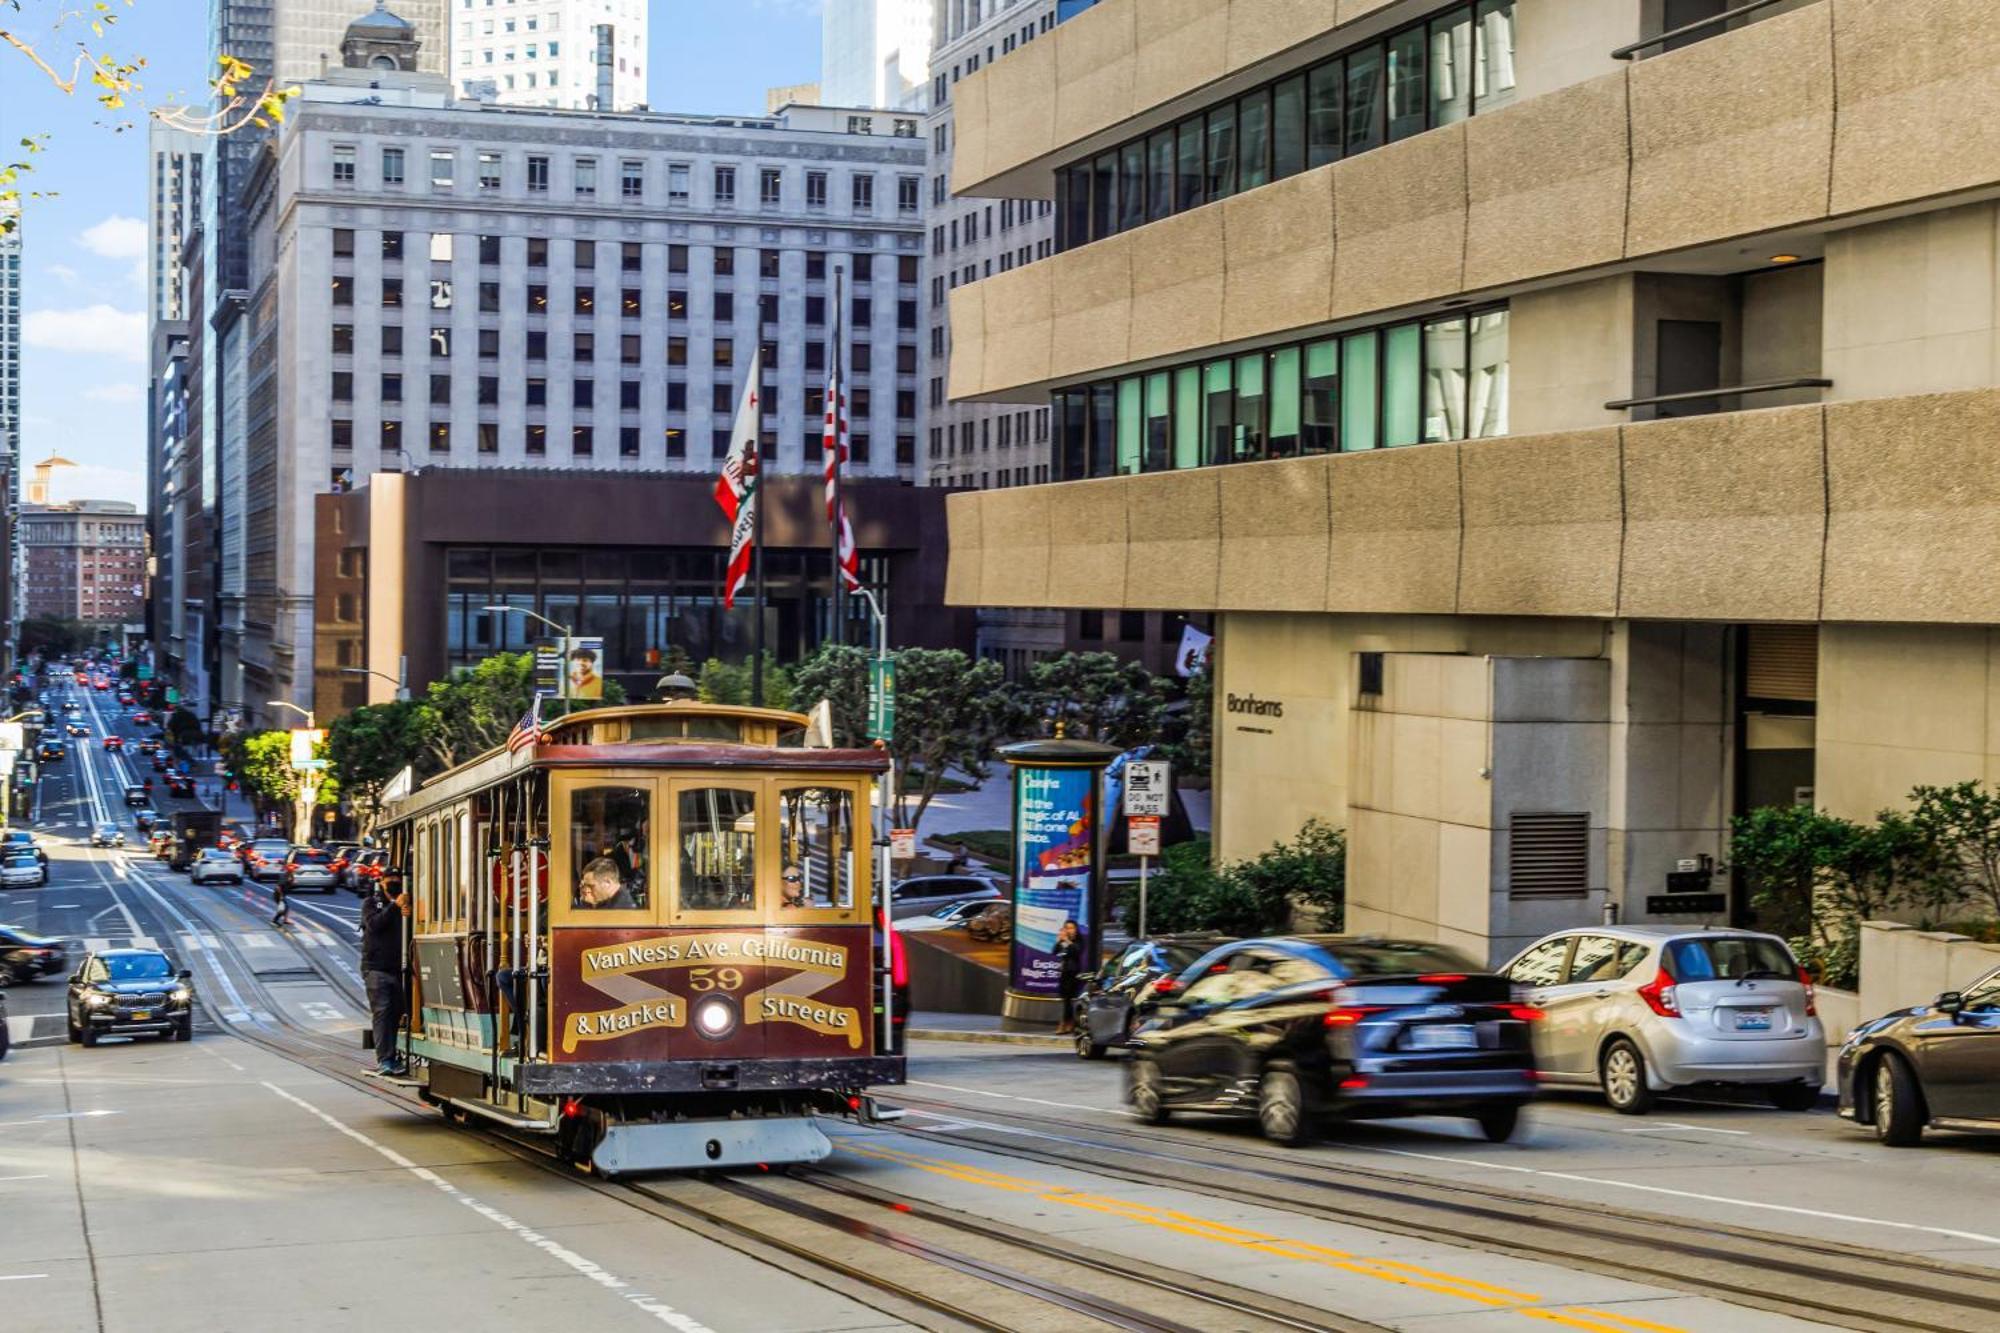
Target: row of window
[[489, 174], [534, 442], [861, 310], [859, 360], [583, 393], [443, 248], [1417, 382], [1432, 73]]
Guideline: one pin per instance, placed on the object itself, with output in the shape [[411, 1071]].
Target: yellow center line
[[1300, 1251]]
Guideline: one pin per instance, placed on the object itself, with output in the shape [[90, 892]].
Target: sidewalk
[[980, 1027]]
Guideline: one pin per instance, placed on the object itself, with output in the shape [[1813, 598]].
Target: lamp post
[[562, 675], [308, 791], [401, 680]]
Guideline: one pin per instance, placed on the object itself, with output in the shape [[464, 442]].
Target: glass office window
[[1253, 129], [1252, 407], [1160, 175], [1076, 205], [1493, 74], [1132, 186], [1451, 67], [1218, 418], [1320, 428], [1187, 417], [1444, 379], [1284, 415], [1073, 432], [1362, 106], [1190, 165], [1358, 391], [1406, 84], [1221, 181], [1486, 409], [1103, 194], [1288, 128], [1402, 384], [1103, 430], [1154, 442], [1324, 97], [1131, 426]]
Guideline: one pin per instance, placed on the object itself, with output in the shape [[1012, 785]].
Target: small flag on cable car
[[528, 731]]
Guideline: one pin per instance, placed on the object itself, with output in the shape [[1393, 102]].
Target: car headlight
[[97, 1000], [715, 1017], [182, 994]]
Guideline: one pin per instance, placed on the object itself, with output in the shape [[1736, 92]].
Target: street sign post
[[903, 844], [1149, 794], [882, 699]]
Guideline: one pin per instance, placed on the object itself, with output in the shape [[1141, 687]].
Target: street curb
[[997, 1038]]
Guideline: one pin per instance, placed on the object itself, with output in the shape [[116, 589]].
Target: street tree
[[950, 713], [262, 762], [472, 710], [370, 746], [1097, 697], [838, 673], [1960, 826]]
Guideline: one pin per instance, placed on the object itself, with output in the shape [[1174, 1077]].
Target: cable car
[[651, 933]]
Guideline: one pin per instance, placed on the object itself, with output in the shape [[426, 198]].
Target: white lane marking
[[143, 942], [59, 906], [1668, 1125], [20, 1277], [660, 1310], [1008, 1096], [59, 1115], [4, 1179], [257, 941]]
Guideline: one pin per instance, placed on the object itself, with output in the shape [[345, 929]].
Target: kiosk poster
[[1055, 851]]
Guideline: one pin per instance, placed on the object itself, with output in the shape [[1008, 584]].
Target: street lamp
[[562, 676], [305, 713], [401, 680]]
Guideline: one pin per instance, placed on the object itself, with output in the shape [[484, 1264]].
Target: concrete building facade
[[86, 561], [1579, 431], [440, 283], [581, 55]]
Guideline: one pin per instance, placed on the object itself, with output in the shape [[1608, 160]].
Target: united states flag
[[528, 731]]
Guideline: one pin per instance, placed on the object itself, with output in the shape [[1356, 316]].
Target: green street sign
[[882, 699]]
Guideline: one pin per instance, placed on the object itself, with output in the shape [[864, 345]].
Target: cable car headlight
[[715, 1016]]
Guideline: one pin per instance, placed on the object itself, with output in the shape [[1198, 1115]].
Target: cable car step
[[688, 1145], [511, 1119]]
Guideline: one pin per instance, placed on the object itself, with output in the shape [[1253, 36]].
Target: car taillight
[[899, 961], [1522, 1013], [1347, 1018], [1442, 978], [1812, 999], [1659, 993], [1166, 986]]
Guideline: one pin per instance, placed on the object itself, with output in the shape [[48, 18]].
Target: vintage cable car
[[651, 933]]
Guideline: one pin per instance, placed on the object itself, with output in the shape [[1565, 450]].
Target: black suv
[[1118, 996], [125, 992], [1298, 1030]]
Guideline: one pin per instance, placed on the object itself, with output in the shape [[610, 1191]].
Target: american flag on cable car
[[833, 442], [528, 731]]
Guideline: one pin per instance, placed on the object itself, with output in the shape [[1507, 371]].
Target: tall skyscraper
[[10, 417], [580, 55], [177, 160], [875, 52]]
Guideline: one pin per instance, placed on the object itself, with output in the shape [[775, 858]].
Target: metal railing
[[1726, 391], [1699, 26]]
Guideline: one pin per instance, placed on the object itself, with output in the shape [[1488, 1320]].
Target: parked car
[[307, 868], [1303, 1029], [138, 794], [122, 992], [1638, 1010], [264, 859], [107, 835], [921, 895], [214, 865], [28, 957], [952, 916], [21, 870], [1931, 1066], [1124, 991], [993, 922]]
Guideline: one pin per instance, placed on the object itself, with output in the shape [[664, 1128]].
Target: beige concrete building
[[1582, 428]]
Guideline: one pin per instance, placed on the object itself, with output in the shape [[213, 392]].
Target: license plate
[[141, 1015], [1442, 1037], [1753, 1020]]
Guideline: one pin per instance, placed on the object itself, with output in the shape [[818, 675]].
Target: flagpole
[[837, 387], [757, 519]]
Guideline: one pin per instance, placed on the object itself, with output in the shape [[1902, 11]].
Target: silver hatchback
[[1638, 1010]]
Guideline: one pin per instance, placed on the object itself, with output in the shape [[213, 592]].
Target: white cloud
[[96, 330], [63, 273], [115, 393], [89, 482], [117, 237]]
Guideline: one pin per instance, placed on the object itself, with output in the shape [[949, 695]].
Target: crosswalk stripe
[[97, 944], [20, 1027], [143, 942], [257, 941], [192, 942]]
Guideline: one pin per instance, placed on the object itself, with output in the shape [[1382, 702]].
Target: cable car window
[[816, 831], [717, 834], [608, 829]]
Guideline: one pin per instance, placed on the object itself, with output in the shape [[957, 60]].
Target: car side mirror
[[1951, 1002], [185, 975]]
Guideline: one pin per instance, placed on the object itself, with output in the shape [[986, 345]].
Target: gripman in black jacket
[[382, 915]]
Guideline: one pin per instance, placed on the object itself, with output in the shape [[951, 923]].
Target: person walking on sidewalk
[[382, 914]]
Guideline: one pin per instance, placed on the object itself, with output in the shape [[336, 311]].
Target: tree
[[838, 673], [950, 711], [54, 636], [184, 728], [1192, 747], [1959, 826], [370, 746], [1309, 871], [1099, 698], [473, 710], [730, 683]]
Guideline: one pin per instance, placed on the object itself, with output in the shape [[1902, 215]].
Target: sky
[[84, 252]]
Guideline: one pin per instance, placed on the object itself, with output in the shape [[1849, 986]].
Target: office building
[[85, 561], [1580, 431], [581, 55], [464, 285], [10, 426], [875, 53], [177, 161]]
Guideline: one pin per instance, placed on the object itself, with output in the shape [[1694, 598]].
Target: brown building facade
[[85, 560]]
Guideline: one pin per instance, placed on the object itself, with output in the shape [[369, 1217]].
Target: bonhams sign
[[1250, 705]]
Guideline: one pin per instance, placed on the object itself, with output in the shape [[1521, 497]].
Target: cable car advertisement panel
[[660, 994]]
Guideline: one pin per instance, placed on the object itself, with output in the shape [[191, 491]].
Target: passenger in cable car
[[603, 888]]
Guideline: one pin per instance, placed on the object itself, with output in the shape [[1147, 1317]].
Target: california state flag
[[736, 488]]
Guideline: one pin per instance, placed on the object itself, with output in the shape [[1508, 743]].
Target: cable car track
[[1846, 1286]]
